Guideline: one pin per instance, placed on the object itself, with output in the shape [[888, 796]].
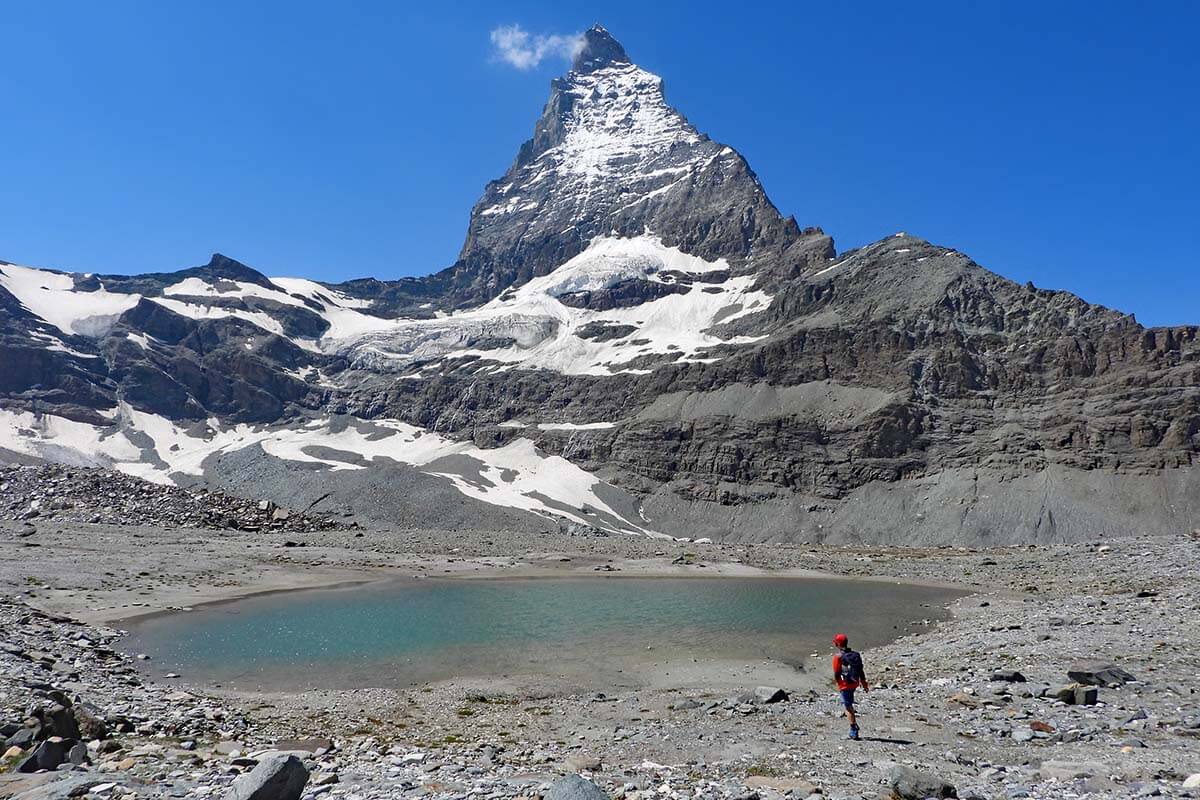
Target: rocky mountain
[[632, 339]]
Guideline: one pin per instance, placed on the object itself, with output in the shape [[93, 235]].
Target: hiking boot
[[853, 733]]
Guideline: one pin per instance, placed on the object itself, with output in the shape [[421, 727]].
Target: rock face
[[628, 299]]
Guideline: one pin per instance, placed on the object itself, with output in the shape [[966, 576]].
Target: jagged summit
[[609, 156], [599, 50]]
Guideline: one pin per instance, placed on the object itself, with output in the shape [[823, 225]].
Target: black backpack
[[851, 667]]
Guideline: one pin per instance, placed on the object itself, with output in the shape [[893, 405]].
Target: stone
[[1022, 735], [78, 754], [89, 721], [575, 787], [324, 779], [1008, 676], [1041, 727], [907, 783], [1098, 673], [62, 722], [1065, 694], [1086, 695], [23, 738], [48, 755], [70, 786], [1069, 770], [769, 694], [278, 776], [317, 746], [1192, 781], [582, 763]]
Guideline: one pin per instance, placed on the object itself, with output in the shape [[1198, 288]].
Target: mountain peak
[[599, 50]]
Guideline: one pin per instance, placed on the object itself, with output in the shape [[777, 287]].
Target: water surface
[[595, 631]]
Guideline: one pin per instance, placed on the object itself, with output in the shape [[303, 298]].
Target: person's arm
[[837, 666], [865, 687]]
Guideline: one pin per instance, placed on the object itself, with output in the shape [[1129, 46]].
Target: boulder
[[907, 783], [1098, 673], [1008, 676], [1065, 694], [78, 754], [90, 723], [280, 776], [49, 786], [48, 755], [23, 738], [1086, 695], [769, 694], [61, 721], [575, 787]]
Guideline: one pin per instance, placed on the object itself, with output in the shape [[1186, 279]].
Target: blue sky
[[1053, 142]]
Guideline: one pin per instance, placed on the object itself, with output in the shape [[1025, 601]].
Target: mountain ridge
[[633, 338]]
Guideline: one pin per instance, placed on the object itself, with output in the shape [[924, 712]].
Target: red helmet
[[840, 640]]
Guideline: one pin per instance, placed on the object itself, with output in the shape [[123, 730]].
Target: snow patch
[[52, 296], [152, 447]]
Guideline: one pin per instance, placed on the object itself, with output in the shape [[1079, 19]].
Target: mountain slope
[[633, 339]]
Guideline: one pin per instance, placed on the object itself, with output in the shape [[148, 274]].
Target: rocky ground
[[982, 703], [59, 493]]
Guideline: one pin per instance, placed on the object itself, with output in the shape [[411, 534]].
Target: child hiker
[[848, 672]]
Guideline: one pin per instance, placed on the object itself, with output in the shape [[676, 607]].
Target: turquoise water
[[602, 631]]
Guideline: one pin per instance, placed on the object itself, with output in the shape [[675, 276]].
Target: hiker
[[848, 672]]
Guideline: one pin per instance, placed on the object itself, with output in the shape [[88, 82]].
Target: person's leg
[[848, 702]]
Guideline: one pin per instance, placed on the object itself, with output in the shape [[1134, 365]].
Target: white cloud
[[519, 48]]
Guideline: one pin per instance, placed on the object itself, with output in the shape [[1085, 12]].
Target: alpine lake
[[595, 632]]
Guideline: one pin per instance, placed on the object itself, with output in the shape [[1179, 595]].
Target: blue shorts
[[847, 698]]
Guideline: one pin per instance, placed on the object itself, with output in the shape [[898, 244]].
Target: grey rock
[[769, 694], [69, 787], [48, 755], [575, 787], [278, 776], [1098, 673], [907, 783]]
